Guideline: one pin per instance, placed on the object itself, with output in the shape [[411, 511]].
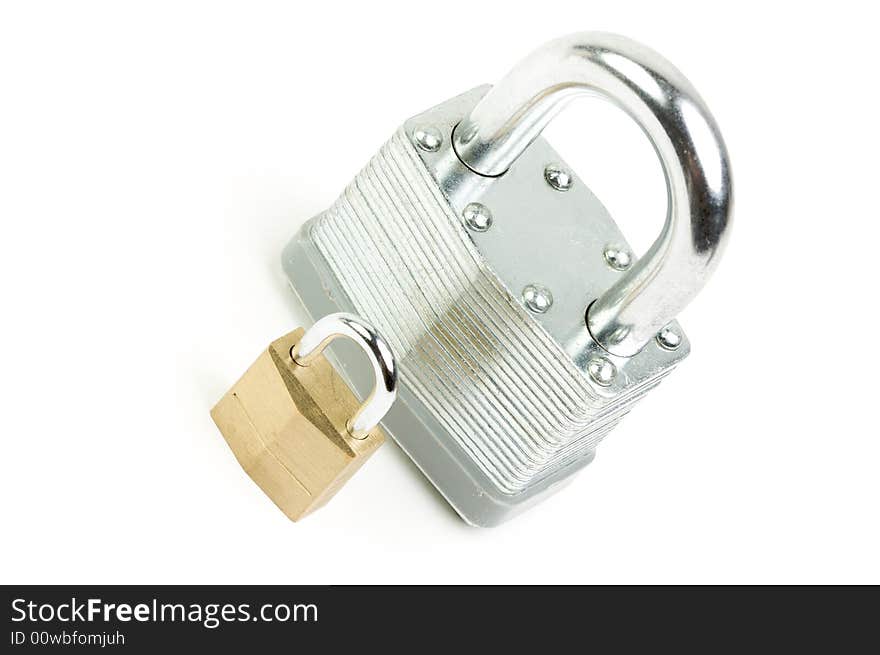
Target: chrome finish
[[537, 299], [384, 392], [602, 371], [688, 142], [428, 138], [557, 177], [617, 258], [477, 217], [668, 338]]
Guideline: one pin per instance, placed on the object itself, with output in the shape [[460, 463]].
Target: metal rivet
[[602, 371], [428, 138], [477, 217], [558, 177], [668, 338], [537, 299], [617, 258]]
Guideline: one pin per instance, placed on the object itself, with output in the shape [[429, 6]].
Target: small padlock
[[295, 426], [524, 326]]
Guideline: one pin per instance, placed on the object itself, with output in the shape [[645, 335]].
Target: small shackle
[[684, 135], [384, 392]]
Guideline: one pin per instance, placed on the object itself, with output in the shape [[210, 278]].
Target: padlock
[[524, 326], [294, 425]]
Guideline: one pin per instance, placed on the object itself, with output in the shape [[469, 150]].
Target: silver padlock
[[523, 328]]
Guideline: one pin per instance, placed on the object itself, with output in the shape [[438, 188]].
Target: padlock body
[[495, 405], [286, 425]]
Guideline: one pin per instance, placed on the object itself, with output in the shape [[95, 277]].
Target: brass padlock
[[295, 426]]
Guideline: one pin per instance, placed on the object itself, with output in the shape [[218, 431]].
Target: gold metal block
[[287, 426]]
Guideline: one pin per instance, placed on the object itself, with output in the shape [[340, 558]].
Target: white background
[[154, 159]]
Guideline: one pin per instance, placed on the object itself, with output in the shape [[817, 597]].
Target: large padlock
[[524, 327]]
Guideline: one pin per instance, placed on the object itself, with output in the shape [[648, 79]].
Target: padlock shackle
[[684, 134], [384, 392]]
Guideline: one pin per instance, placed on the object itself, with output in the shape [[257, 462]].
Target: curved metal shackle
[[681, 129], [341, 324]]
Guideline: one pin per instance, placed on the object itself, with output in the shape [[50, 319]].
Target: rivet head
[[602, 371], [537, 299], [668, 338], [428, 138], [558, 177], [477, 217], [617, 258]]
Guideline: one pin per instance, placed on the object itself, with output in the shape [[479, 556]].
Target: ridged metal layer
[[502, 388]]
